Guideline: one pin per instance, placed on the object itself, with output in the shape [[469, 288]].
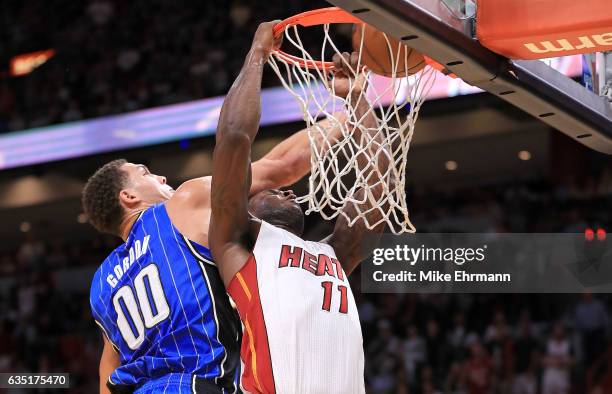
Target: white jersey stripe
[[158, 329], [196, 253], [174, 283], [195, 295], [204, 260]]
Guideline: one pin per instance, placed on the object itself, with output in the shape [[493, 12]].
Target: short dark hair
[[100, 198]]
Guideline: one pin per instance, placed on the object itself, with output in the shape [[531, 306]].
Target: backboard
[[443, 30]]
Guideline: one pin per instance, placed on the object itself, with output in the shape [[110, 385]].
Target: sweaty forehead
[[256, 196], [129, 166], [259, 197], [132, 168]]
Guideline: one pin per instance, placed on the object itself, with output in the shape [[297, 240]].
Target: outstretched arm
[[353, 244], [289, 161], [231, 177]]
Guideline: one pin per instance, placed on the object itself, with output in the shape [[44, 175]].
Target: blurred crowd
[[44, 325], [486, 343], [462, 344], [114, 56], [522, 207]]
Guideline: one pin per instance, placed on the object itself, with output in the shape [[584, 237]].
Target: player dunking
[[167, 322], [301, 331]]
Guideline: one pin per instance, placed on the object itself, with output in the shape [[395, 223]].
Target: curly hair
[[100, 198]]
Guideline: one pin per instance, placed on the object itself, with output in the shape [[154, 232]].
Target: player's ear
[[128, 198]]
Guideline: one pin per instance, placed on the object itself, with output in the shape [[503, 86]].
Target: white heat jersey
[[301, 332]]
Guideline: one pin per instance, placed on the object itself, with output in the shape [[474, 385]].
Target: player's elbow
[[233, 127], [231, 145], [233, 136]]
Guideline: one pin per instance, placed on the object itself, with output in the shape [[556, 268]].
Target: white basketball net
[[335, 176]]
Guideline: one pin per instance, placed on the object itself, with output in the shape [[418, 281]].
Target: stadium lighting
[[451, 165], [28, 62], [524, 155], [24, 227], [82, 218]]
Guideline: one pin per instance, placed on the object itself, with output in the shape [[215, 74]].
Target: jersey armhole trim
[[195, 253], [115, 347]]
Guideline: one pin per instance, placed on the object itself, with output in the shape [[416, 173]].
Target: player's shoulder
[[97, 283], [101, 276], [194, 192]]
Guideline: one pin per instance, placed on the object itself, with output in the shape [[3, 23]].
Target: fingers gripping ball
[[381, 53]]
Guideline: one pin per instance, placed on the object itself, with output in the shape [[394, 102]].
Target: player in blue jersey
[[167, 321]]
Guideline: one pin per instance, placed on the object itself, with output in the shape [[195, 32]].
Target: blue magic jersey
[[160, 301]]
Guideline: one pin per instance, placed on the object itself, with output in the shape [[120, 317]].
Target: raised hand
[[346, 73], [264, 38]]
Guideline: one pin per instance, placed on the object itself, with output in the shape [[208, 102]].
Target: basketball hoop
[[323, 16], [335, 176]]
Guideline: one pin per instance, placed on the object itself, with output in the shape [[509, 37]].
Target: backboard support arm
[[431, 28], [604, 70]]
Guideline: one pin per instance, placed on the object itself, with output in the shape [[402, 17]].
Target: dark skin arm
[[353, 244], [231, 179]]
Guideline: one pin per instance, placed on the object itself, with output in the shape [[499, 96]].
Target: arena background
[[477, 165]]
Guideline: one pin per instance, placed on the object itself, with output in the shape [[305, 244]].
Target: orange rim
[[324, 16], [321, 16], [438, 67]]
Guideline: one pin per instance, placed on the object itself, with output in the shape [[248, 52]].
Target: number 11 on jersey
[[327, 297]]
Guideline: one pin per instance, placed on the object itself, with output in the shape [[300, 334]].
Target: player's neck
[[287, 228], [128, 221]]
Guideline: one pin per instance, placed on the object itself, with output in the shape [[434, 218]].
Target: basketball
[[379, 51]]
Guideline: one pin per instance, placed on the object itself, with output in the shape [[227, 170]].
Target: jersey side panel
[[257, 373]]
